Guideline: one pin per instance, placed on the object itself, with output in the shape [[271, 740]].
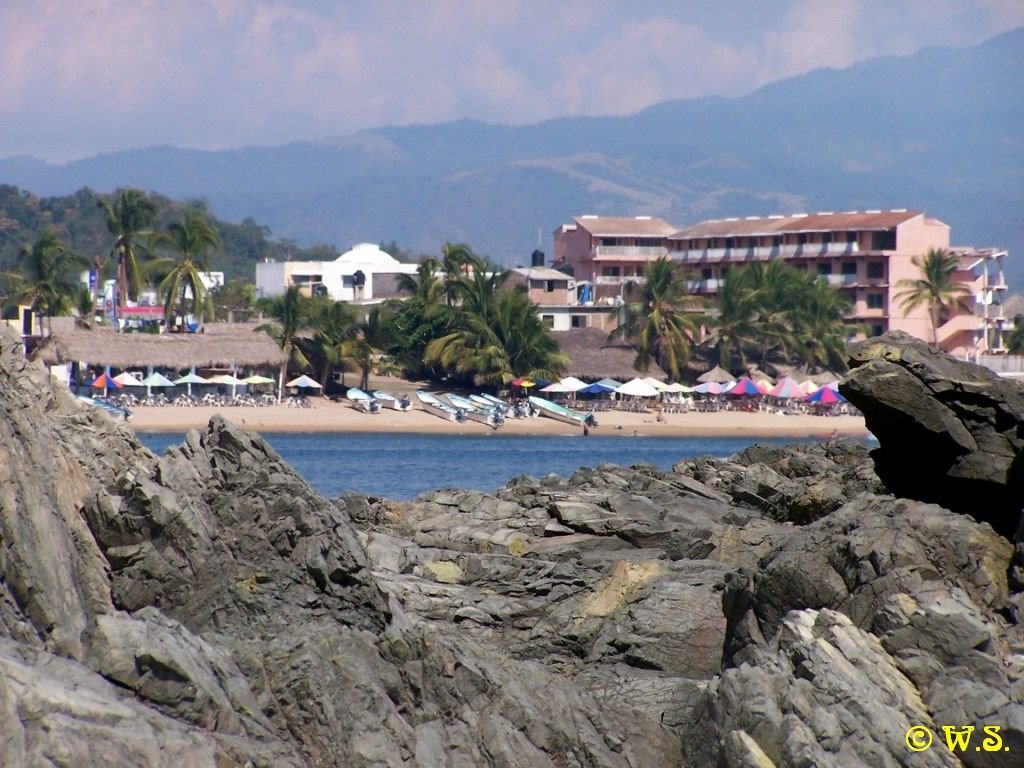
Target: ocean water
[[401, 467]]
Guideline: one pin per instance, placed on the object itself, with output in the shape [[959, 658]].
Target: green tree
[[457, 261], [334, 326], [193, 239], [938, 288], [503, 341], [661, 319], [127, 216], [290, 318], [46, 278], [818, 331], [425, 284]]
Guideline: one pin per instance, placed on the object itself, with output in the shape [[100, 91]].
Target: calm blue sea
[[403, 466]]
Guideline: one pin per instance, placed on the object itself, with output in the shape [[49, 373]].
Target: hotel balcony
[[619, 279], [628, 253], [764, 253]]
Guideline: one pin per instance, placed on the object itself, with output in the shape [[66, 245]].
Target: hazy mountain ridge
[[939, 130]]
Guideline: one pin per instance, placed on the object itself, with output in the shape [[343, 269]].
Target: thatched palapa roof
[[220, 345], [592, 356]]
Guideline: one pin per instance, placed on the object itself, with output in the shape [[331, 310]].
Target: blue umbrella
[[596, 388]]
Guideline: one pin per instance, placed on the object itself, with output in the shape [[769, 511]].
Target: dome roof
[[368, 254]]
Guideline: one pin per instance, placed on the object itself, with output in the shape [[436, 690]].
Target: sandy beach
[[325, 416]]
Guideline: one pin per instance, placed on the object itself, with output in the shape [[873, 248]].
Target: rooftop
[[798, 222], [624, 226]]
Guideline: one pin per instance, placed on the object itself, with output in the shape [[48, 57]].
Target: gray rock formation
[[950, 432], [206, 608]]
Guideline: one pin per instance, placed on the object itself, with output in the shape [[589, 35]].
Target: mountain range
[[940, 131]]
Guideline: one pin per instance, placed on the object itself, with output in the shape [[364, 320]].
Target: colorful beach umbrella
[[787, 389], [744, 387], [809, 387], [105, 381], [524, 382], [826, 396], [126, 379]]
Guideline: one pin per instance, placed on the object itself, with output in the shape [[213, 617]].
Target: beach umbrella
[[572, 384], [809, 387], [524, 382], [190, 378], [637, 388], [105, 381], [157, 379], [257, 379], [226, 378], [676, 388], [717, 374], [609, 383], [126, 379], [597, 388], [788, 389], [764, 386], [826, 396], [556, 387], [661, 386], [304, 381], [744, 386], [710, 388]]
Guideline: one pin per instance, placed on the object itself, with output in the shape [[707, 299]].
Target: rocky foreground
[[783, 607]]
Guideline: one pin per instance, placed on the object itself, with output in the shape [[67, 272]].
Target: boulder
[[949, 431]]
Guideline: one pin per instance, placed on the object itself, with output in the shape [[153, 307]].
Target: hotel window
[[877, 330], [801, 238], [827, 237], [824, 268], [730, 242], [875, 300], [849, 268], [549, 286], [548, 320], [705, 274], [639, 271], [609, 272], [777, 240], [578, 321], [876, 270], [851, 237]]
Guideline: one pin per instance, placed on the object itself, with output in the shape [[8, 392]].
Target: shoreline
[[327, 417]]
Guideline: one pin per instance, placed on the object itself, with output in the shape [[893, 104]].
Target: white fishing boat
[[489, 415], [431, 404], [388, 400], [561, 413], [363, 401]]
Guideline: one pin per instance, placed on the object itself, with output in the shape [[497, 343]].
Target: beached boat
[[489, 415], [114, 410], [388, 400], [561, 413], [518, 410], [364, 401], [431, 404]]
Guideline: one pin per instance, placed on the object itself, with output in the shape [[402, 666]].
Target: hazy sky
[[79, 77]]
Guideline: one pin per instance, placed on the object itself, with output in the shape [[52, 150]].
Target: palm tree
[[291, 318], [335, 326], [457, 262], [425, 285], [129, 215], [937, 288], [661, 319], [735, 330], [193, 238], [818, 331], [506, 341], [46, 279]]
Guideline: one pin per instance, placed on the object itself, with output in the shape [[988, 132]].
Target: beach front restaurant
[[71, 351]]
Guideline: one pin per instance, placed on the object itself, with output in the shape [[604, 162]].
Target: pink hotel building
[[863, 253]]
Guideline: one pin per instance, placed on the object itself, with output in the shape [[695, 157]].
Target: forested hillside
[[79, 223]]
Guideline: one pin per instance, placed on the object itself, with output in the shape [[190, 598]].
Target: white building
[[363, 275]]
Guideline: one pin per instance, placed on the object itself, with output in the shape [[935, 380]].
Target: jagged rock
[[950, 432], [207, 608]]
